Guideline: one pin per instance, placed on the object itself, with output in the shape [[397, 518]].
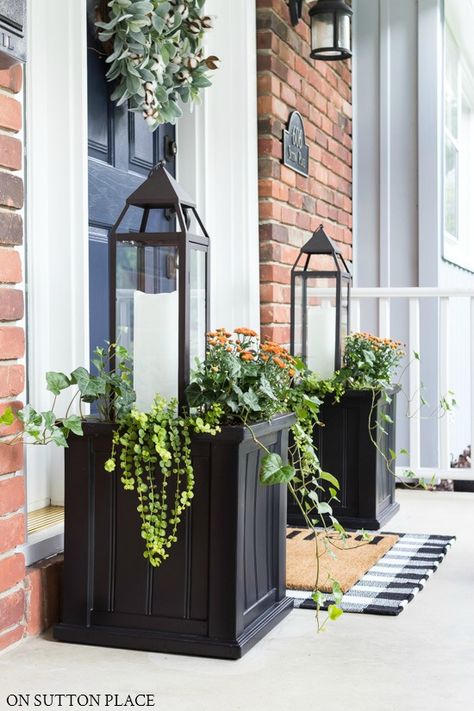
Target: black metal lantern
[[159, 286], [330, 30], [320, 304]]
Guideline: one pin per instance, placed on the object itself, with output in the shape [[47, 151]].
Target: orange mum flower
[[246, 332], [279, 362], [247, 355]]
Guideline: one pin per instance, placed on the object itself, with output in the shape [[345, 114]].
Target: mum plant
[[253, 381], [374, 364]]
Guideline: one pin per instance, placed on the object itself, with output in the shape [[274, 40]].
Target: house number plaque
[[295, 148], [12, 32]]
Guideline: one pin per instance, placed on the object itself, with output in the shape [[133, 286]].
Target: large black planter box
[[344, 448], [223, 587]]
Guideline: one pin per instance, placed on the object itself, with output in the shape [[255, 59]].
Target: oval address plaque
[[295, 149]]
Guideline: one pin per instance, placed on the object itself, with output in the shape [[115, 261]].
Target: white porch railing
[[443, 298]]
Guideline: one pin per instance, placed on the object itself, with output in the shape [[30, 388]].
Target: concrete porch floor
[[421, 660]]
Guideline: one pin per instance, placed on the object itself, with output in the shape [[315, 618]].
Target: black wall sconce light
[[330, 28], [296, 9]]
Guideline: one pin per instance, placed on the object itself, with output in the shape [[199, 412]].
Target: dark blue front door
[[122, 151]]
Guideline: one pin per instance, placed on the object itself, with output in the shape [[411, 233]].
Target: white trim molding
[[430, 140], [57, 212], [218, 164]]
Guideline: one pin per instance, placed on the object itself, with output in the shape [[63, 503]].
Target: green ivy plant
[[156, 55], [110, 389]]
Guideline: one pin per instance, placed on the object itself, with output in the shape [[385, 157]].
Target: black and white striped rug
[[388, 587]]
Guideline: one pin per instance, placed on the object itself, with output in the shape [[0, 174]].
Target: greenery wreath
[[156, 54]]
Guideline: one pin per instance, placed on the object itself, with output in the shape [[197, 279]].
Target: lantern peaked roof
[[320, 243], [323, 6], [160, 190]]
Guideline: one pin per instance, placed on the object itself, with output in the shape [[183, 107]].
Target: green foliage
[[111, 388], [274, 471], [154, 458], [370, 362], [157, 55], [251, 381]]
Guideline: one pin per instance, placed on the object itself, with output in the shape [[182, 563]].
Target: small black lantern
[[330, 30], [159, 286], [320, 304]]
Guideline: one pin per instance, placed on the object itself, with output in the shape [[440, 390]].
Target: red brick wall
[[292, 206], [29, 601], [12, 347]]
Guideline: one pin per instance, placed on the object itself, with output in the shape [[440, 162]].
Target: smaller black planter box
[[344, 448], [223, 587]]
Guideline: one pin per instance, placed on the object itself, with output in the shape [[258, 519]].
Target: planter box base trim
[[149, 641]]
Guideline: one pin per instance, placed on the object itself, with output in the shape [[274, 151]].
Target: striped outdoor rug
[[388, 587]]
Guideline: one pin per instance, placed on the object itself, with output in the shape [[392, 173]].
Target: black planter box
[[344, 447], [223, 587]]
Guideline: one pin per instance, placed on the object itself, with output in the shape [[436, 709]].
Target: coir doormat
[[343, 560], [390, 584]]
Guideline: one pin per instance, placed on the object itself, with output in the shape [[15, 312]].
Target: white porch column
[[218, 164]]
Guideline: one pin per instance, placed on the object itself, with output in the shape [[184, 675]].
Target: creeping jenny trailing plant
[[155, 461]]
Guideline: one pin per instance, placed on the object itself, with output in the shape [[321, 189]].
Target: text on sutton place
[[81, 701]]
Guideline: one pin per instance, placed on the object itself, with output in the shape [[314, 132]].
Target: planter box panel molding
[[367, 494], [223, 586]]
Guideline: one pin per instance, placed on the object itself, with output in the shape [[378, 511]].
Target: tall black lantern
[[159, 286], [320, 304], [330, 30]]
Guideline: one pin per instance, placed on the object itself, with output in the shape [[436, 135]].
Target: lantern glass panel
[[298, 316], [322, 31], [198, 306], [131, 221], [320, 327], [345, 301], [344, 31], [147, 317]]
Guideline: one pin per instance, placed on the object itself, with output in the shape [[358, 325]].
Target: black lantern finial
[[330, 30], [159, 286], [320, 304]]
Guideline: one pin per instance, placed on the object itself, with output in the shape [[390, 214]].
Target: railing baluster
[[415, 383], [444, 457], [472, 377], [355, 316], [384, 317]]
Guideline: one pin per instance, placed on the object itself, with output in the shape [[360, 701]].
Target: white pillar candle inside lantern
[[321, 339], [155, 347]]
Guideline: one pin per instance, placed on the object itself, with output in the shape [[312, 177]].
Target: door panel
[[122, 151]]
